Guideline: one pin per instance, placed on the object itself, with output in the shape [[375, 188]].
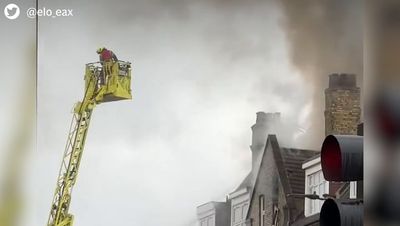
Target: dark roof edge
[[281, 171], [312, 158]]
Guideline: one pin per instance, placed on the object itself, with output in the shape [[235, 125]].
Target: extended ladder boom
[[105, 83], [69, 168]]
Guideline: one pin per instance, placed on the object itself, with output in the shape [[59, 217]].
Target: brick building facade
[[264, 198], [239, 199], [279, 174], [342, 105], [342, 117]]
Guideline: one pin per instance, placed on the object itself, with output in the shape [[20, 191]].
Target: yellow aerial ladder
[[104, 82]]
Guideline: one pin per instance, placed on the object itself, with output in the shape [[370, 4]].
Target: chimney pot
[[343, 80], [266, 123]]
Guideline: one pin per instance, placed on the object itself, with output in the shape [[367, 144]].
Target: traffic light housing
[[341, 213], [342, 158]]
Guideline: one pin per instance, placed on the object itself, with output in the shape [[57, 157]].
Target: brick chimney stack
[[266, 123], [342, 105]]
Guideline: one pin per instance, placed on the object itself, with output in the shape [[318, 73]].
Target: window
[[211, 221], [261, 210], [275, 218], [208, 221], [239, 212], [315, 184], [244, 210], [204, 222], [353, 189]]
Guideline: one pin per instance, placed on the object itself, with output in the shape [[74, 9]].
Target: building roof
[[312, 158], [245, 183], [288, 162], [292, 161]]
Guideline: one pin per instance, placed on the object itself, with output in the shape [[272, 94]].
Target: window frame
[[261, 210], [243, 207], [310, 207]]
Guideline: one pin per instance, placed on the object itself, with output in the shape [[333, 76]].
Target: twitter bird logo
[[11, 11]]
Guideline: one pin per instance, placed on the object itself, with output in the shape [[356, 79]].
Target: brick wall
[[342, 105]]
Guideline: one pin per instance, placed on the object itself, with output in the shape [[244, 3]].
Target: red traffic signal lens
[[342, 158], [331, 159]]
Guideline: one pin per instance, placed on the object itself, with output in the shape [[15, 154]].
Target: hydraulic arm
[[103, 83]]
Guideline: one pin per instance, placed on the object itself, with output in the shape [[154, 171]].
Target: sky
[[201, 71]]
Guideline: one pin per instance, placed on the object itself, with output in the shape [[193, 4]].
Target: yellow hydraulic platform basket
[[112, 80]]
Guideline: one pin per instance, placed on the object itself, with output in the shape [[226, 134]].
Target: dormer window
[[315, 183]]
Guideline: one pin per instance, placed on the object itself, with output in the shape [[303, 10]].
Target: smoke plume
[[325, 36]]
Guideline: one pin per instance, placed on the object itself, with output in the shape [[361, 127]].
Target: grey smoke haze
[[201, 72], [325, 36]]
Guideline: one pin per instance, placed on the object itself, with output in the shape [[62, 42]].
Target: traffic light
[[342, 160], [341, 213]]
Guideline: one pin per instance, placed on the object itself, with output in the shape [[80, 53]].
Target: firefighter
[[107, 60], [106, 55]]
